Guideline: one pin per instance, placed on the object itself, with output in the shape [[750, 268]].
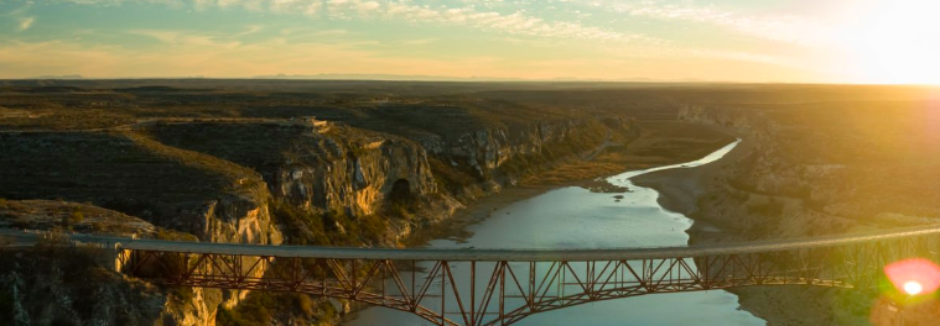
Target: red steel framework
[[492, 291]]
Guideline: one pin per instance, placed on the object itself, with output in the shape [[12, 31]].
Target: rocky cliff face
[[186, 191], [79, 281], [66, 286], [486, 151], [823, 167], [335, 170], [223, 181], [766, 193], [352, 176], [355, 171], [808, 175], [326, 169], [237, 212], [483, 161], [128, 172]]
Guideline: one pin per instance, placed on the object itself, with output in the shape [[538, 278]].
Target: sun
[[895, 42]]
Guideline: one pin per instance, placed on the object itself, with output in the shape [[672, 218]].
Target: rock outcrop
[[810, 169], [250, 180], [766, 193], [212, 199], [484, 161], [340, 170]]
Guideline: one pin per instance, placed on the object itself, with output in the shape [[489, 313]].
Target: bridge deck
[[522, 255]]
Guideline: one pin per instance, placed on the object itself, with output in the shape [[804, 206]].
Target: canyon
[[378, 164]]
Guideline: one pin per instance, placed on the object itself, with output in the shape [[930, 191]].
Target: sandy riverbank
[[680, 190]]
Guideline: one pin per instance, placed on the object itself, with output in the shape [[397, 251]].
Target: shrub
[[182, 294], [99, 227], [328, 311], [259, 307], [771, 208], [76, 217], [303, 227]]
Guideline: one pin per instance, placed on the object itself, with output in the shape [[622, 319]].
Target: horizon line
[[464, 80]]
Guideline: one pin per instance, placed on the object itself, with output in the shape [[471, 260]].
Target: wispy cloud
[[161, 35], [319, 36], [784, 28], [25, 23], [188, 40], [17, 11], [207, 56], [515, 23], [423, 41], [250, 29]]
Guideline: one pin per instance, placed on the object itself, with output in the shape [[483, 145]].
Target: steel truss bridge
[[499, 287]]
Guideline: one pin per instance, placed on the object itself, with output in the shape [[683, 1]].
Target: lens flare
[[914, 276], [913, 288]]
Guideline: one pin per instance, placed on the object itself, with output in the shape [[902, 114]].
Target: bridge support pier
[[115, 257]]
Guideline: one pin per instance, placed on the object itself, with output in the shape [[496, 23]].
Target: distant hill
[[384, 77], [60, 77]]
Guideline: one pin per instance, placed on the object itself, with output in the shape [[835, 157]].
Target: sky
[[803, 41]]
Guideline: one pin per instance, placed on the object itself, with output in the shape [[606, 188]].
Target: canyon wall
[[296, 181], [803, 170], [766, 192], [214, 200]]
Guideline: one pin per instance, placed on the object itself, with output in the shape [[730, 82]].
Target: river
[[574, 217]]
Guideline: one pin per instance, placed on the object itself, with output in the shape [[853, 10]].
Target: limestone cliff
[[126, 171], [325, 170], [79, 282], [185, 191], [812, 169], [237, 213], [805, 177], [238, 180], [767, 193], [485, 160], [324, 167]]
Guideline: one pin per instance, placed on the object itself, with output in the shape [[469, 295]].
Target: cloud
[[204, 55], [214, 54], [250, 29], [792, 29], [514, 23], [514, 20], [116, 2], [18, 11], [331, 32], [25, 23], [743, 56], [423, 41], [161, 35], [301, 49]]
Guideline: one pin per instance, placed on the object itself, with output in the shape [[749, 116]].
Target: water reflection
[[574, 217]]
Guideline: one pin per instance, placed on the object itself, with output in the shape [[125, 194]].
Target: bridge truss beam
[[502, 292]]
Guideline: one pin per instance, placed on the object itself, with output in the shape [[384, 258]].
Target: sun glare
[[895, 43], [914, 276], [913, 288]]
